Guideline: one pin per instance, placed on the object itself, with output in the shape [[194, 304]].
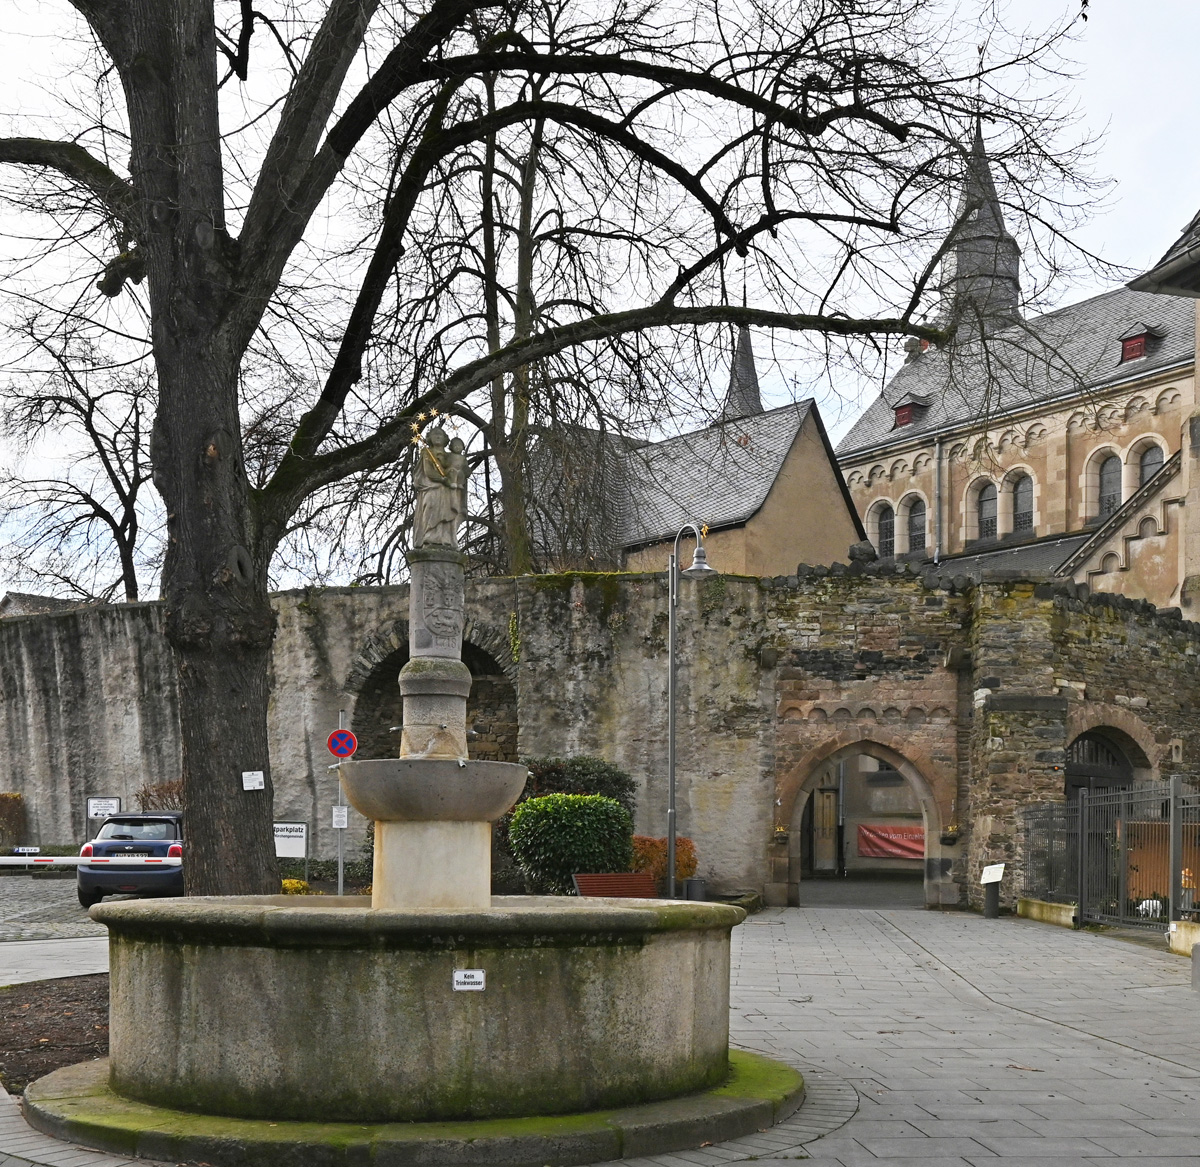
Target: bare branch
[[74, 162]]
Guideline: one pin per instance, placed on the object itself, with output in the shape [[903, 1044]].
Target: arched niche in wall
[[491, 708]]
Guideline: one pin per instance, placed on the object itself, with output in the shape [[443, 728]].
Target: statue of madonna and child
[[440, 482]]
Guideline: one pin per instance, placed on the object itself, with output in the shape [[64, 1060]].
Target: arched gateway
[[863, 803]]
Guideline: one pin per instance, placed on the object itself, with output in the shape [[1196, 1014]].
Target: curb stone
[[75, 1103]]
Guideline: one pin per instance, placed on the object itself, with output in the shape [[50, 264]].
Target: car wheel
[[88, 898]]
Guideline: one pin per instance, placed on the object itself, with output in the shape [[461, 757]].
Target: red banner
[[891, 842]]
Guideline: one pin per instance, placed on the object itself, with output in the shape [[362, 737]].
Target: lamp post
[[699, 569]]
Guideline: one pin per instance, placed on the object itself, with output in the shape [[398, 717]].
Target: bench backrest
[[623, 884]]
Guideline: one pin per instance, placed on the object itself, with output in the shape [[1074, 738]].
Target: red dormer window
[[905, 414], [1133, 347]]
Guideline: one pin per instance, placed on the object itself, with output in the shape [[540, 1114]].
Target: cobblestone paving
[[42, 909], [941, 1039]]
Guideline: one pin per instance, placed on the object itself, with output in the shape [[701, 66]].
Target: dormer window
[[910, 408], [1138, 341], [1133, 347]]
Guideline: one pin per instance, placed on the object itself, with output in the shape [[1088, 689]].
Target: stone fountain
[[434, 1023], [433, 806]]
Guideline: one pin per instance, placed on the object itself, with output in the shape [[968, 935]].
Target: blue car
[[145, 835]]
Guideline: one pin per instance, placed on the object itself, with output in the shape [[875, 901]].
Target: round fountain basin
[[286, 1007], [432, 789]]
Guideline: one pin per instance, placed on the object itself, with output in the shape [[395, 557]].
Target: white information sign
[[101, 808], [341, 817], [469, 980], [254, 780], [291, 840], [992, 873], [27, 850]]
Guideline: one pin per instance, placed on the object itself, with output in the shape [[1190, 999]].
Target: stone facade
[[1060, 447], [973, 692]]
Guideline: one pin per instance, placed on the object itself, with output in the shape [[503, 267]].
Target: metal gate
[[1127, 857]]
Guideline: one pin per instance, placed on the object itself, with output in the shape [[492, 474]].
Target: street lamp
[[700, 569]]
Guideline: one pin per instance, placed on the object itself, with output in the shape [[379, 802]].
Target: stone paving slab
[[39, 960]]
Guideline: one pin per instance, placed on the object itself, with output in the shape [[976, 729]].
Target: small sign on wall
[[469, 980], [101, 808]]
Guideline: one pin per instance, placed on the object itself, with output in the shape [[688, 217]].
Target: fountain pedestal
[[433, 806]]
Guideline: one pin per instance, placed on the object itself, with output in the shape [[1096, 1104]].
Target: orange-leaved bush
[[650, 854]]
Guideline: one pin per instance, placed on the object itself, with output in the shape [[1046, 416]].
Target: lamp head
[[700, 568]]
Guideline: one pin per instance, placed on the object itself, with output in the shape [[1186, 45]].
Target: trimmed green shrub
[[356, 872], [583, 774], [558, 835]]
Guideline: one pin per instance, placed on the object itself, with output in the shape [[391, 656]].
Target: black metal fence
[[1129, 857]]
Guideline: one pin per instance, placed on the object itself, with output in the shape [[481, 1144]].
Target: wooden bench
[[617, 884]]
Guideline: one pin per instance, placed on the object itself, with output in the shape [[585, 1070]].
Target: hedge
[[558, 835]]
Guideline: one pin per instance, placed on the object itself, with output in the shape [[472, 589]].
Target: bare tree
[[815, 140], [76, 516]]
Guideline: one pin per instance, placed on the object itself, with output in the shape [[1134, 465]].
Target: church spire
[[983, 283], [742, 398]]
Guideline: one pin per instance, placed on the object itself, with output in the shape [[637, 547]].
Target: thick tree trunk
[[220, 625], [510, 461], [219, 617]]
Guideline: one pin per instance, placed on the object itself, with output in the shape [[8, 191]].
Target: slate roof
[[1040, 558], [1048, 357], [1175, 273], [719, 475]]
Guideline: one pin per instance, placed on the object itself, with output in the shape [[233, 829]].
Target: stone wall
[[972, 692], [87, 707]]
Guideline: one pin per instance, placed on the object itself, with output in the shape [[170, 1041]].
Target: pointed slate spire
[[983, 272], [742, 398]]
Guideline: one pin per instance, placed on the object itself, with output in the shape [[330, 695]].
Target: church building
[[1047, 446]]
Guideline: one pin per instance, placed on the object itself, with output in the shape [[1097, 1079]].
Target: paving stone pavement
[[943, 1039], [42, 909]]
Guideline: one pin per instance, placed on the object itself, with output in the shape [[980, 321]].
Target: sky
[[1137, 85]]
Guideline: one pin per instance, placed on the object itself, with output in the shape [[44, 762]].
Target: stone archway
[[491, 708], [1123, 733], [797, 786]]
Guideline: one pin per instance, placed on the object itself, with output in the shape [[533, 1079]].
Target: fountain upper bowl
[[432, 789]]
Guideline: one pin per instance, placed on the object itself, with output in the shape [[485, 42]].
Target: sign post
[[342, 743], [291, 842], [992, 874]]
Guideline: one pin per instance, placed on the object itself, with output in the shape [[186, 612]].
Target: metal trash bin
[[693, 889]]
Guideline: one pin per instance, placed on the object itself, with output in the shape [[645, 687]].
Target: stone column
[[434, 864]]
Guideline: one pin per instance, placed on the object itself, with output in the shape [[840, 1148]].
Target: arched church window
[[1023, 503], [887, 533], [1110, 485], [987, 512], [916, 526], [1150, 464]]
